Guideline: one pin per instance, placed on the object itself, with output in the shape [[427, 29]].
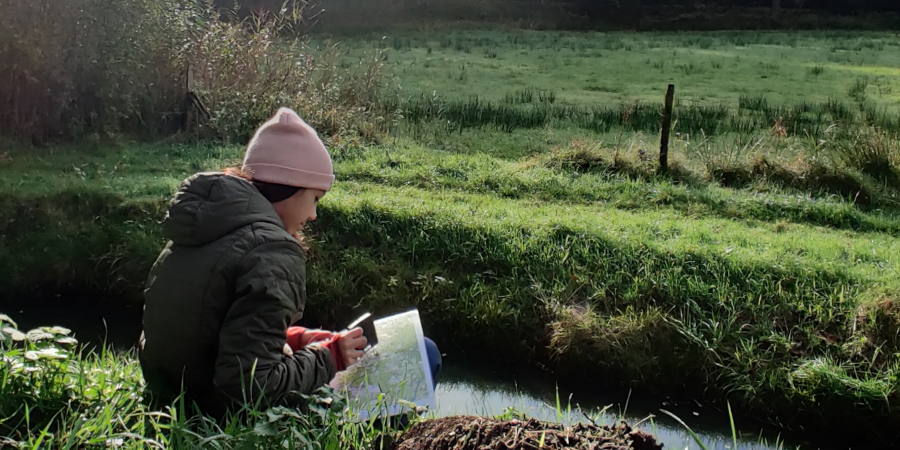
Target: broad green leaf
[[6, 319], [38, 335], [274, 415], [13, 333], [265, 429], [47, 353], [57, 330]]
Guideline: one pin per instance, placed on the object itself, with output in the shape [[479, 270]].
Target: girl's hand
[[352, 342], [311, 336], [299, 337]]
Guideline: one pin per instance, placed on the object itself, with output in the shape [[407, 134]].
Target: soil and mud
[[480, 433]]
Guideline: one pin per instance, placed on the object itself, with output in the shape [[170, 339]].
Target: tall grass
[[276, 66], [520, 111], [87, 67], [69, 68], [873, 153]]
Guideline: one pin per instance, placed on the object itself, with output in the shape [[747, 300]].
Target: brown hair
[[274, 193]]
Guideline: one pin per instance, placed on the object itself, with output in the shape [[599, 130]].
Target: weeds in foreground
[[96, 399], [56, 394], [778, 444]]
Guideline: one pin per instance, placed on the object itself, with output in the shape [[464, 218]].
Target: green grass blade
[[44, 434], [73, 434], [689, 430], [733, 428]]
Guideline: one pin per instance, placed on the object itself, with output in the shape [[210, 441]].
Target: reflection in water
[[469, 389]]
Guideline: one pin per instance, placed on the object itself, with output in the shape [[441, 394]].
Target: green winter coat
[[220, 298]]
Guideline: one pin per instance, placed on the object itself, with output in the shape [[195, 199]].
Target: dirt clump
[[481, 433]]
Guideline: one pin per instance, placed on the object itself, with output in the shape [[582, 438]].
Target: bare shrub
[[68, 69], [78, 66]]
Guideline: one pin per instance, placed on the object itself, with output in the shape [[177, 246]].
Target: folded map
[[393, 376]]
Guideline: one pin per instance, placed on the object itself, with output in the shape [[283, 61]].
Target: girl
[[223, 293]]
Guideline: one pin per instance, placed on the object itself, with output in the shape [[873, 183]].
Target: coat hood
[[209, 206]]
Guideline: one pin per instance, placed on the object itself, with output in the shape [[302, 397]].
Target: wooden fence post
[[195, 113], [666, 127], [188, 106]]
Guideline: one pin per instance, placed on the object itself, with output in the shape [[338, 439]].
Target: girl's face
[[299, 209]]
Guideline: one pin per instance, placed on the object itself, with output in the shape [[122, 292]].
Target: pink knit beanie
[[286, 150]]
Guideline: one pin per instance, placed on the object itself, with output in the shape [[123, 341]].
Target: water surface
[[472, 388]]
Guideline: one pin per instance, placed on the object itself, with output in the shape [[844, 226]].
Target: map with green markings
[[394, 375]]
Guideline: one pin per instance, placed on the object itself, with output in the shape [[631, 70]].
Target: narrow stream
[[468, 388], [464, 388]]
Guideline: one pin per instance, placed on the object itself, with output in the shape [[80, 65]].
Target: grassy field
[[596, 69], [816, 111], [762, 273]]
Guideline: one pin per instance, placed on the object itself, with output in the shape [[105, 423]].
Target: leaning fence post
[[666, 127], [188, 106], [195, 113]]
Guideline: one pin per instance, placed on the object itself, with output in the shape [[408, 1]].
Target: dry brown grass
[[581, 337], [74, 67], [102, 67], [878, 324]]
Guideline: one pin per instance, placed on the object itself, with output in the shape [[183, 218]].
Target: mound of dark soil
[[480, 433]]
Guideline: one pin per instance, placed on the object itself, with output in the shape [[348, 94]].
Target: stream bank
[[470, 385]]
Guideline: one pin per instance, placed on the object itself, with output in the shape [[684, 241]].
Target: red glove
[[300, 337], [334, 346]]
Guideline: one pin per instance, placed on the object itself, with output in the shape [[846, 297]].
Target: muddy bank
[[479, 433]]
